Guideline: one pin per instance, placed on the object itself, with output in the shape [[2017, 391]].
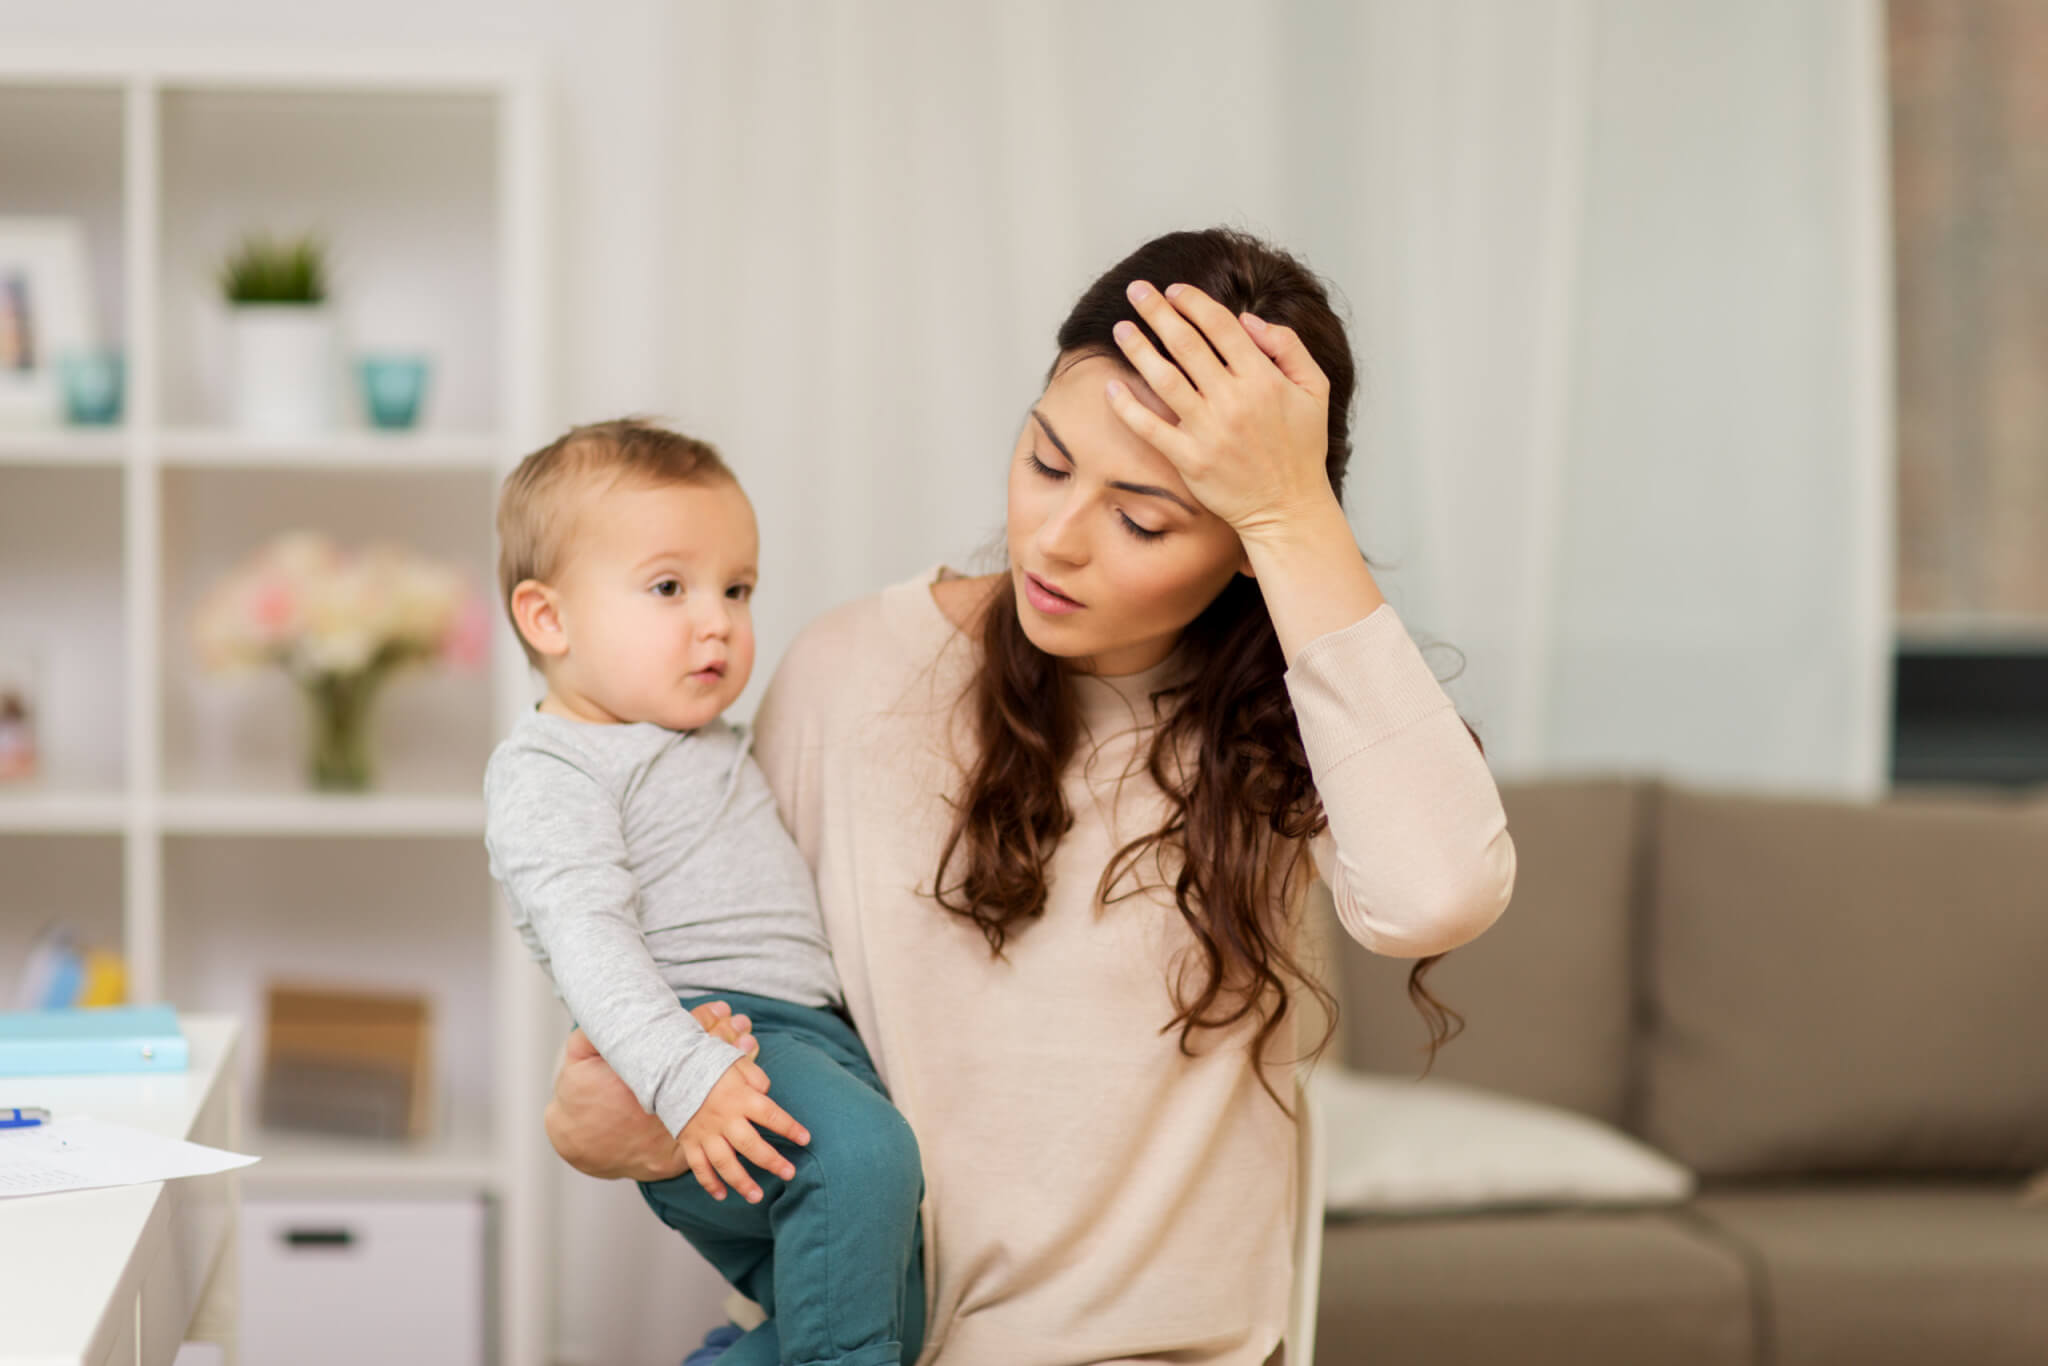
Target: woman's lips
[[1046, 598]]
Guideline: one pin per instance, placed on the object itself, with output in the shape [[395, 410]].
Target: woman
[[1063, 820]]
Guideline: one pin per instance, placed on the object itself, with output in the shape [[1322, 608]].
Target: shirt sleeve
[[556, 845], [1416, 854]]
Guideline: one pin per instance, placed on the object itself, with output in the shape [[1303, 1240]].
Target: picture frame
[[45, 311]]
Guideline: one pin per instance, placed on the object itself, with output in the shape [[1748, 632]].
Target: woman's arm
[[597, 1126], [1417, 852]]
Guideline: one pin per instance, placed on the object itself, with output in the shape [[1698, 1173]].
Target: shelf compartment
[[61, 157], [377, 914], [62, 619], [226, 737], [69, 879], [403, 188]]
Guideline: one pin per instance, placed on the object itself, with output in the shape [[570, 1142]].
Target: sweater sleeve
[[555, 844], [1416, 854]]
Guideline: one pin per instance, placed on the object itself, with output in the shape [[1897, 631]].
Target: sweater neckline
[[1099, 696]]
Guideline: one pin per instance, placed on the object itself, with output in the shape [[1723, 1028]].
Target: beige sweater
[[1092, 1195]]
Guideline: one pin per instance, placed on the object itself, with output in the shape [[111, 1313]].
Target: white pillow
[[1394, 1145]]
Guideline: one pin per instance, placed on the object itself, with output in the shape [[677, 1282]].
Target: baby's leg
[[846, 1226], [833, 1255]]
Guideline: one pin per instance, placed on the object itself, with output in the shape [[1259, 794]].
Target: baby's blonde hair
[[537, 503]]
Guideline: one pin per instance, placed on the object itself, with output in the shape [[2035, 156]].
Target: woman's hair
[[1249, 784]]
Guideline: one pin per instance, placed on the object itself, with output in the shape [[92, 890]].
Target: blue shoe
[[715, 1344]]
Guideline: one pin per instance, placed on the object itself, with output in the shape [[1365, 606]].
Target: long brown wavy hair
[[1241, 813]]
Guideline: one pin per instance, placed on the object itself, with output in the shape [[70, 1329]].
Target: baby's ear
[[534, 611]]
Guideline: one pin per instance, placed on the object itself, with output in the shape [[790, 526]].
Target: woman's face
[[1110, 555]]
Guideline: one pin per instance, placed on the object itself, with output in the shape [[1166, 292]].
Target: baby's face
[[655, 602]]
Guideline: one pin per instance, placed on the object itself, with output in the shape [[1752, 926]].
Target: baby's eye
[[668, 588], [740, 592]]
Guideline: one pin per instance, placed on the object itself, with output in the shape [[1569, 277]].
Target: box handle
[[318, 1237]]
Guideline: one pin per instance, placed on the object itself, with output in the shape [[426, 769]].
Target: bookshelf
[[169, 818]]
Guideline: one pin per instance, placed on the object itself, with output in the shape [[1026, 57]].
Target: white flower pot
[[285, 363]]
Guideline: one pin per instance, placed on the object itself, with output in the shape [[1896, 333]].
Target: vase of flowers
[[284, 349], [340, 623]]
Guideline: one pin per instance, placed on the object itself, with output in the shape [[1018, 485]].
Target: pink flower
[[468, 642], [274, 607]]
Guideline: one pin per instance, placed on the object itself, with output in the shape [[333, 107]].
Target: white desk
[[121, 1277]]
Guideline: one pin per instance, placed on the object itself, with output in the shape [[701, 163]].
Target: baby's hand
[[719, 1021], [722, 1131]]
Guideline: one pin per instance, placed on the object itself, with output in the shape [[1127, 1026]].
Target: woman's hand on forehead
[[1253, 407]]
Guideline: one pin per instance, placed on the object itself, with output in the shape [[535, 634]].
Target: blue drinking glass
[[93, 382], [394, 385]]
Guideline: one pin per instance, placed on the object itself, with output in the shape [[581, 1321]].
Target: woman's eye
[[667, 588], [1031, 458], [1140, 532]]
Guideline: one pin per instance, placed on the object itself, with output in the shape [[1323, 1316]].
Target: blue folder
[[44, 1043]]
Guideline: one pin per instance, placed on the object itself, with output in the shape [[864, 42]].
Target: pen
[[18, 1118]]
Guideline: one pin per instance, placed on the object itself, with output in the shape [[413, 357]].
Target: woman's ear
[[1244, 565], [539, 619]]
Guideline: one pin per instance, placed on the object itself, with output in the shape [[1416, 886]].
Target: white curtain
[[1617, 280]]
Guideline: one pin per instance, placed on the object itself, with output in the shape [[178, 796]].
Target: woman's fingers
[[1224, 329], [750, 1072], [1184, 342], [1150, 428], [700, 1167], [1159, 372], [717, 1020], [727, 1164], [579, 1047], [1287, 351]]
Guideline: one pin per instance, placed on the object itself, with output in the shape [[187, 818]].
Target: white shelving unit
[[170, 819]]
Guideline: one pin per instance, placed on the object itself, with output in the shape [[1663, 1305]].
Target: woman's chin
[[1054, 635]]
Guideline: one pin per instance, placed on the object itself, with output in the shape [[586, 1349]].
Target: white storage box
[[350, 1282]]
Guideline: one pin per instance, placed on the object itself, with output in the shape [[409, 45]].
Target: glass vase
[[338, 757]]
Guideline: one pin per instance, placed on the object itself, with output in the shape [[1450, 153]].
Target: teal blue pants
[[835, 1255]]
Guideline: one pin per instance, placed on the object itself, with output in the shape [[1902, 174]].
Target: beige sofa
[[1835, 1014]]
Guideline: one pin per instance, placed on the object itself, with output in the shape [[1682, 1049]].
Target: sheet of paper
[[78, 1152]]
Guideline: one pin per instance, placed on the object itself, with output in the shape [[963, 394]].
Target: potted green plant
[[283, 334]]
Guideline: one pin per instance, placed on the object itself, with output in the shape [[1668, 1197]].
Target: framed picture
[[19, 760], [44, 312]]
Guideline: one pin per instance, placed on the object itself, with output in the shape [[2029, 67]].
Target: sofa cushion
[[1549, 1289], [1545, 992], [1893, 1273], [1841, 987], [1400, 1146]]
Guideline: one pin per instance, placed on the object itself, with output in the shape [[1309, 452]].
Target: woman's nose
[[1061, 536]]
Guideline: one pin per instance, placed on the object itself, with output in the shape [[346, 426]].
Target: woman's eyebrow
[[1151, 490]]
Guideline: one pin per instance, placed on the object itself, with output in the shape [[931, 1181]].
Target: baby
[[648, 872]]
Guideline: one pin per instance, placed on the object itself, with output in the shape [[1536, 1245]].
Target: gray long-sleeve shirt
[[643, 864]]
